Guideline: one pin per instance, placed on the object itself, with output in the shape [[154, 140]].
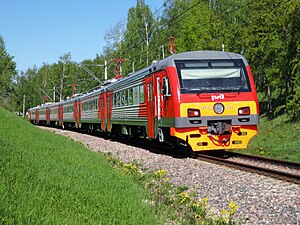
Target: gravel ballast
[[261, 200]]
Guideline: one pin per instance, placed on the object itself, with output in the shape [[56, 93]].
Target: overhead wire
[[164, 5]]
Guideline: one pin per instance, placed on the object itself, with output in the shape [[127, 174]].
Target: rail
[[225, 158]]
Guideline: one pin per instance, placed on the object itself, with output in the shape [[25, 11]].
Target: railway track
[[278, 169]]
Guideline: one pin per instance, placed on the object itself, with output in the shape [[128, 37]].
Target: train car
[[127, 106], [90, 109], [40, 114], [33, 114], [53, 117], [201, 100], [67, 110], [205, 100], [87, 113]]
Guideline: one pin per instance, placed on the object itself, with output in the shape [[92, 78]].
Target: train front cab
[[230, 130], [216, 106]]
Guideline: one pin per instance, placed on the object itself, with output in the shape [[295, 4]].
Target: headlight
[[193, 113], [244, 111], [219, 108]]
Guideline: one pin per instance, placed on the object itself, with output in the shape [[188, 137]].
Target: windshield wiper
[[208, 87]]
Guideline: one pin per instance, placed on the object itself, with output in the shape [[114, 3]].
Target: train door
[[60, 115], [160, 90], [48, 115], [102, 110], [109, 110], [157, 94], [158, 97], [150, 108], [29, 115], [37, 116], [77, 113]]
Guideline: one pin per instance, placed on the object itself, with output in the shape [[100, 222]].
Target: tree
[[291, 59], [7, 73], [189, 22], [25, 85], [113, 38], [139, 30], [271, 40]]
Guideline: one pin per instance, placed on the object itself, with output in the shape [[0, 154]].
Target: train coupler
[[219, 128]]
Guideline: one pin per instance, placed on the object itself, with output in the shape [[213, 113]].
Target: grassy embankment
[[278, 138], [49, 179]]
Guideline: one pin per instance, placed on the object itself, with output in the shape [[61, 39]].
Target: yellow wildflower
[[232, 206]]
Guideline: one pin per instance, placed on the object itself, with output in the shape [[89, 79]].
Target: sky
[[37, 32]]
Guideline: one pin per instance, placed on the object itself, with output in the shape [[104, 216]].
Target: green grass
[[278, 138], [49, 179]]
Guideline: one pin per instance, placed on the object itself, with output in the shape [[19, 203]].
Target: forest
[[266, 32]]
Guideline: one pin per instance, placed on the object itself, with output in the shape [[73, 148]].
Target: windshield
[[201, 76]]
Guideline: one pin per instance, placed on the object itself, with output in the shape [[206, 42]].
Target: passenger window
[[130, 96], [117, 99], [136, 95], [126, 97], [122, 98], [141, 93], [114, 101], [149, 86]]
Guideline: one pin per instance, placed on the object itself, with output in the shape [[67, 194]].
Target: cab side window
[[166, 87]]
